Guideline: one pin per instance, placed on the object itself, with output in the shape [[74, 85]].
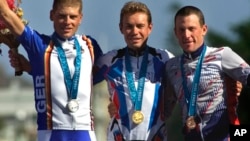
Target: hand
[[18, 60], [238, 88], [112, 109], [88, 41], [233, 89], [90, 46]]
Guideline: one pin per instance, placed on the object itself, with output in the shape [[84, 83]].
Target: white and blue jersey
[[211, 105], [51, 96], [112, 68]]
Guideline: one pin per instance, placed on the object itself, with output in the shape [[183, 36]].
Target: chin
[[187, 49], [67, 34], [137, 45]]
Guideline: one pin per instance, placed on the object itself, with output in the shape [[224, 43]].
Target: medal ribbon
[[136, 95], [71, 84], [191, 99]]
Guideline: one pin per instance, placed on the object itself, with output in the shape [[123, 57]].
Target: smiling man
[[133, 75], [61, 67]]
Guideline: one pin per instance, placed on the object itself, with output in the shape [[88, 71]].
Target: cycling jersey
[[112, 68], [211, 104], [51, 97]]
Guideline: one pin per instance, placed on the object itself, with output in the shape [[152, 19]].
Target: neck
[[137, 51], [57, 36], [195, 54]]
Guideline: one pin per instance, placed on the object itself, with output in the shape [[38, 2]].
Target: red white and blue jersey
[[211, 105], [112, 68], [51, 96]]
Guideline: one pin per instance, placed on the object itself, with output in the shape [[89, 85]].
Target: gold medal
[[190, 123], [137, 117]]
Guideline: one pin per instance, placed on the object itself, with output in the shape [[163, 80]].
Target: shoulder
[[31, 38], [221, 50], [163, 54], [93, 40], [29, 33], [96, 47], [114, 54], [173, 61]]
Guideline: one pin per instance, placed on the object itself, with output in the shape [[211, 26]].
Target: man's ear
[[81, 18], [120, 27], [204, 28], [51, 15], [174, 31]]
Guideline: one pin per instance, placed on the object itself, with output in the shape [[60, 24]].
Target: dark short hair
[[189, 10]]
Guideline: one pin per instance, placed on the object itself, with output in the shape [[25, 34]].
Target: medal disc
[[190, 123], [137, 117], [73, 105]]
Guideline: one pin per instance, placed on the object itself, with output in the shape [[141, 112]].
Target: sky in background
[[101, 18]]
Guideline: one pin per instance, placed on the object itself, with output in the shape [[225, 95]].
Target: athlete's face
[[135, 29], [66, 20], [189, 32]]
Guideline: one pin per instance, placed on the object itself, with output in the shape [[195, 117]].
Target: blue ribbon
[[191, 99], [136, 95], [71, 84]]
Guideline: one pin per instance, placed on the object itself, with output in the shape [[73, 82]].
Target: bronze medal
[[137, 117], [190, 123]]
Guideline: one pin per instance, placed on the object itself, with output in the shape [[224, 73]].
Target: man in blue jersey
[[61, 67], [133, 75], [197, 79]]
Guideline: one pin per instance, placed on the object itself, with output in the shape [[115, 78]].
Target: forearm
[[27, 67], [10, 18], [3, 5]]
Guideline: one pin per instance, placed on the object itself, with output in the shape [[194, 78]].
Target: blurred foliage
[[2, 123], [171, 41]]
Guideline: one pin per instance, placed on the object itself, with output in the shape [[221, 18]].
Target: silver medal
[[73, 105]]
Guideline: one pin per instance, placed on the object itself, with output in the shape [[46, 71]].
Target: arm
[[233, 89], [97, 53], [12, 21], [19, 61], [235, 66], [170, 98]]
